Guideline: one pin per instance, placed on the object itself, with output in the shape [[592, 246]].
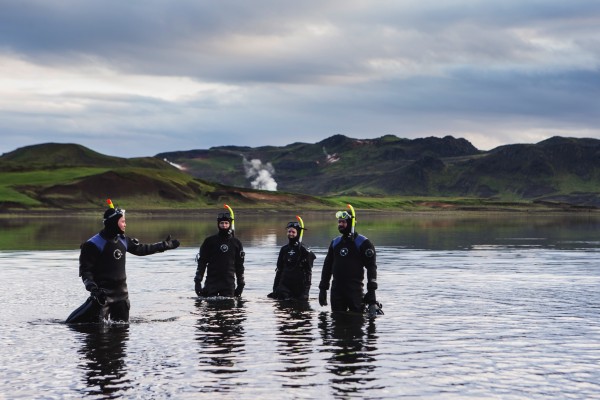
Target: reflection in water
[[294, 338], [220, 338], [435, 231], [512, 315], [352, 344], [104, 349]]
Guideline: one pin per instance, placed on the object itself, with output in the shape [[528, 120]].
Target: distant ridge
[[559, 170], [59, 154], [52, 155]]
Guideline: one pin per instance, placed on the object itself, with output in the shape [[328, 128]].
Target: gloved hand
[[198, 287], [99, 295], [170, 244], [90, 285], [272, 295], [96, 292], [238, 291], [323, 297], [370, 297]]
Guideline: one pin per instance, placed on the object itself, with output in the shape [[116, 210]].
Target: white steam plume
[[261, 174]]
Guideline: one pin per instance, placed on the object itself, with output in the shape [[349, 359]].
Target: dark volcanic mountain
[[558, 169], [387, 165]]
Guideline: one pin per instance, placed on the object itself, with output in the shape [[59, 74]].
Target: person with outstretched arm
[[293, 275], [221, 257], [102, 269], [347, 257]]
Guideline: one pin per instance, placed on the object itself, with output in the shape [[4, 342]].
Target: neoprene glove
[[323, 297], [198, 287], [238, 291], [90, 286], [170, 244], [99, 295], [96, 292], [370, 297]]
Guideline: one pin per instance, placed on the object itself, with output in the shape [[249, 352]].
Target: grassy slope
[[70, 176], [10, 182]]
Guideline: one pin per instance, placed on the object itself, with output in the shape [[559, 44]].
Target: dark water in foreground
[[478, 308]]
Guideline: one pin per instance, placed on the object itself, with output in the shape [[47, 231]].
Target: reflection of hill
[[425, 231]]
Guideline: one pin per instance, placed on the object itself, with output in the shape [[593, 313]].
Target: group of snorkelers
[[220, 267]]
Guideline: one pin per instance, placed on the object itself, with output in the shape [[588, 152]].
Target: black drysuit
[[347, 258], [102, 261], [222, 258], [294, 271]]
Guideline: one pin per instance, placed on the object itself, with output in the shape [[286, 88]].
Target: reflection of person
[[102, 269], [220, 334], [346, 257], [103, 347], [294, 338], [222, 258], [294, 267], [353, 347]]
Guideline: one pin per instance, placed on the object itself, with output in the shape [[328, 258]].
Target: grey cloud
[[306, 70]]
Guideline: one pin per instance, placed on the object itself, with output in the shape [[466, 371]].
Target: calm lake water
[[485, 306]]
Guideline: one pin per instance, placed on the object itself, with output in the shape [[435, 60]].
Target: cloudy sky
[[135, 78]]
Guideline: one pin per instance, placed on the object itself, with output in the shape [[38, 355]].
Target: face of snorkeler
[[342, 225], [224, 224], [292, 233], [122, 224]]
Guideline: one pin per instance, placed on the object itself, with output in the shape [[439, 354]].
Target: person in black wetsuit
[[294, 267], [221, 256], [102, 269], [347, 257]]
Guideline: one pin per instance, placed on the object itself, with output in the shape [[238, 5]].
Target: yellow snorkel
[[353, 218], [301, 228], [232, 217]]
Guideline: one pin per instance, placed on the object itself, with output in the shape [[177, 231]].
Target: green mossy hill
[[66, 176], [387, 171], [59, 155]]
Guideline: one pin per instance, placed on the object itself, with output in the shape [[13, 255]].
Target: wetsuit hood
[[111, 221], [224, 217]]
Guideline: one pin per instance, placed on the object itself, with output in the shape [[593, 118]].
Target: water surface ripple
[[511, 321]]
